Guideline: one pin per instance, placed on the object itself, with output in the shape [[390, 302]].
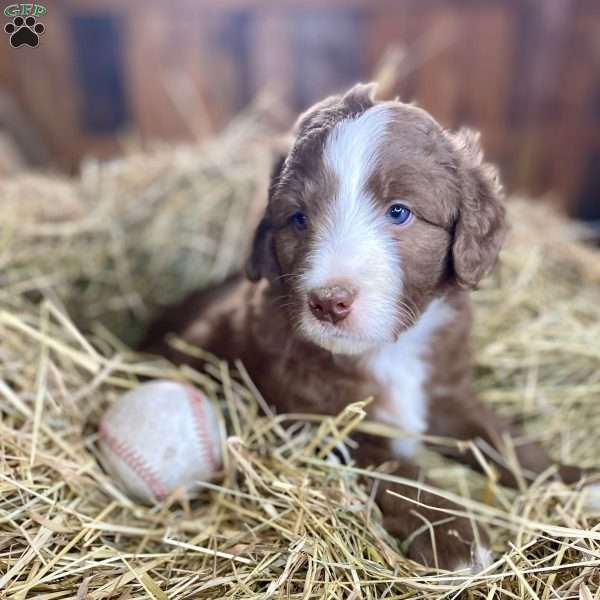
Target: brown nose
[[332, 304]]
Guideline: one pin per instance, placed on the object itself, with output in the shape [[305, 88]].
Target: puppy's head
[[374, 212]]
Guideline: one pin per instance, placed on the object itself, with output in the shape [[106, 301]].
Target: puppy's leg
[[419, 519], [473, 421]]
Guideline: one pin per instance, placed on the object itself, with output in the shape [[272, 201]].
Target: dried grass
[[133, 234], [286, 521]]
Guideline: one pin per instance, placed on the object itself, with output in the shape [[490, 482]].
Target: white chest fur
[[402, 369]]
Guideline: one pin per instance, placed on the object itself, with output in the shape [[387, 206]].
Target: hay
[[136, 233], [286, 521]]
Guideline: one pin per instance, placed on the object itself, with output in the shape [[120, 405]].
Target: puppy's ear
[[481, 225], [262, 261]]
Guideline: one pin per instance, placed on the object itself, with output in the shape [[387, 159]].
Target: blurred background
[[110, 75]]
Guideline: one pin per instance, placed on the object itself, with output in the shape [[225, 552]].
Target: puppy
[[378, 224]]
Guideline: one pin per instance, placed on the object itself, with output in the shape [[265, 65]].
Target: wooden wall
[[525, 72]]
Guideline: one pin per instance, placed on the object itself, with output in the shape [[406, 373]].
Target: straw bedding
[[130, 235], [84, 263]]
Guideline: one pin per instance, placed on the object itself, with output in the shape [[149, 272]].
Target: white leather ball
[[158, 437]]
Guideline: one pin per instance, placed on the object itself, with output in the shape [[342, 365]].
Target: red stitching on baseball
[[135, 461], [198, 406]]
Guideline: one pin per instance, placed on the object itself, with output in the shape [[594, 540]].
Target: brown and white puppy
[[378, 223]]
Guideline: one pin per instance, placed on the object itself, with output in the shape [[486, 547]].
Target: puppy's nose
[[332, 304]]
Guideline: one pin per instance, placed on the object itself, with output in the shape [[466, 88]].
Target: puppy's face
[[374, 212]]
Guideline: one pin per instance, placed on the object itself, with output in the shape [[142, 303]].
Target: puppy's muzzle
[[331, 304]]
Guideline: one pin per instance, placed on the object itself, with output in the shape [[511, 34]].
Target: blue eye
[[299, 221], [399, 214]]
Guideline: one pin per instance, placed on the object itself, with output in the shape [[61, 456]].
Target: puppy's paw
[[591, 491], [570, 474], [481, 558], [454, 546]]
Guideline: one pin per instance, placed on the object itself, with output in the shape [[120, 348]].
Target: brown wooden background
[[525, 72]]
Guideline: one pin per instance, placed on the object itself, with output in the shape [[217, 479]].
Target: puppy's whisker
[[408, 312], [405, 319], [285, 276]]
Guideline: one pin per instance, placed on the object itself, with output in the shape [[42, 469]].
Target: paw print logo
[[24, 31]]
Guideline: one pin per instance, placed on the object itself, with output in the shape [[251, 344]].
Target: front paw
[[456, 545], [570, 474], [589, 481]]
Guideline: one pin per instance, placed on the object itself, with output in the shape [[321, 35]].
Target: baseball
[[158, 437]]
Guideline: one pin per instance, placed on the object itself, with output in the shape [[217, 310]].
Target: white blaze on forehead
[[352, 150], [347, 236], [352, 241]]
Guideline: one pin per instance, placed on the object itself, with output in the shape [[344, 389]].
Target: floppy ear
[[262, 261], [480, 228]]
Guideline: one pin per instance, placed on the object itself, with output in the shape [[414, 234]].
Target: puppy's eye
[[399, 214], [299, 221]]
